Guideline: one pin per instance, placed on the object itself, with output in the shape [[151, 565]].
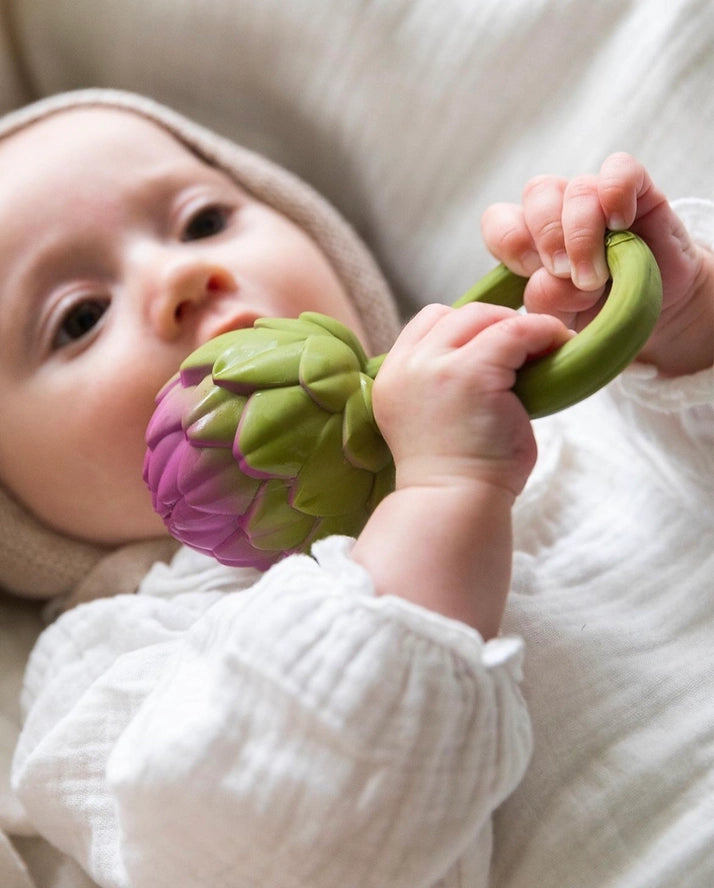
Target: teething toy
[[265, 440]]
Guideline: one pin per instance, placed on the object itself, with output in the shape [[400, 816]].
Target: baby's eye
[[207, 222], [79, 320]]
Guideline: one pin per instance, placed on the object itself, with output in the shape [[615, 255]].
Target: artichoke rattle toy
[[265, 440]]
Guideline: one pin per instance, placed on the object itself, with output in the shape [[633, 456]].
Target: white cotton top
[[299, 732], [296, 731]]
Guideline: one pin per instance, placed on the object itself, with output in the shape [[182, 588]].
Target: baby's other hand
[[443, 396], [556, 235]]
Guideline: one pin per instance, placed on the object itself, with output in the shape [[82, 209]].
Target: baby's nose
[[185, 290]]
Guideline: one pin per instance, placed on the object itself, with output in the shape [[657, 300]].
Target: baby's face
[[120, 253]]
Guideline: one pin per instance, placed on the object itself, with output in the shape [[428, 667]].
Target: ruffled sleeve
[[302, 732]]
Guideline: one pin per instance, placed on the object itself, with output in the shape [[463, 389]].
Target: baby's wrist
[[468, 474], [459, 487]]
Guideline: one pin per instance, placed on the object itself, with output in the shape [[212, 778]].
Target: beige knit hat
[[38, 562]]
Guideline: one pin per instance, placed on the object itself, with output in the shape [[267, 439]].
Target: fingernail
[[584, 276], [616, 223], [587, 276], [561, 264], [530, 262]]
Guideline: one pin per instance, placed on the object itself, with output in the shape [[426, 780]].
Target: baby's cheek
[[108, 450]]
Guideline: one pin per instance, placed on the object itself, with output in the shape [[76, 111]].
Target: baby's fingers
[[616, 198], [584, 233], [509, 343], [626, 191], [542, 210], [559, 297], [568, 227], [505, 233]]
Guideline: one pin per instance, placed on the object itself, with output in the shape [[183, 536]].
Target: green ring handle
[[605, 347]]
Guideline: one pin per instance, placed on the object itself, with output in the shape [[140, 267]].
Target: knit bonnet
[[37, 561]]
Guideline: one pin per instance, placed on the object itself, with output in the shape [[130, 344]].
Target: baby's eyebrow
[[167, 180], [48, 258]]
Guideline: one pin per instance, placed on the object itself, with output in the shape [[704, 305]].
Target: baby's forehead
[[103, 144], [82, 124]]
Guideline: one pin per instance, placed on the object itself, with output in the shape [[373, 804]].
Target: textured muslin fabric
[[301, 731], [35, 560], [613, 591]]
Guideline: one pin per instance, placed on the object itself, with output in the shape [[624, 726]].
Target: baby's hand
[[443, 396], [557, 237]]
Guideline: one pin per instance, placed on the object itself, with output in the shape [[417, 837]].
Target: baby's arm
[[557, 234], [463, 449]]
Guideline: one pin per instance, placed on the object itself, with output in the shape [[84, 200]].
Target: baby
[[355, 717]]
